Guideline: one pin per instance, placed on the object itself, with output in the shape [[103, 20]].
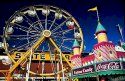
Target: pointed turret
[[76, 48], [76, 58], [104, 50], [101, 33], [75, 44]]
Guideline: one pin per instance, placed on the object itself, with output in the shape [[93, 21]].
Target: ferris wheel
[[38, 27], [25, 26]]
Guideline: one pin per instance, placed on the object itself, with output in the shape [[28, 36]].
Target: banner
[[46, 56]]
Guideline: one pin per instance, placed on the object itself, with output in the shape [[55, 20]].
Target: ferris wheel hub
[[47, 33]]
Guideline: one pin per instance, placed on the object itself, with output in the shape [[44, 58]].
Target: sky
[[110, 12]]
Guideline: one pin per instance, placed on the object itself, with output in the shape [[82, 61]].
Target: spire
[[101, 33], [76, 48], [100, 28], [75, 44]]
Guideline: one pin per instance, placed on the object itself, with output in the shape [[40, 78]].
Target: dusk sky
[[110, 12]]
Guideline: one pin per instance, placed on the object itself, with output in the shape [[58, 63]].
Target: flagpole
[[97, 15]]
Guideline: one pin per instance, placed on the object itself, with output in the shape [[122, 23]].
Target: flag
[[93, 9]]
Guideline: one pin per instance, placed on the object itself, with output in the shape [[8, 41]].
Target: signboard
[[108, 66], [40, 56], [83, 70], [123, 65], [105, 66]]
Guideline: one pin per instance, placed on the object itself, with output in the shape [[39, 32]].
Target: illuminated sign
[[40, 56], [83, 70], [123, 65], [108, 66], [104, 66]]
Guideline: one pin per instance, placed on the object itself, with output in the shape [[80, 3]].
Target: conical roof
[[100, 28], [76, 44]]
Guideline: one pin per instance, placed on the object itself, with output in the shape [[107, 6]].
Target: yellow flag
[[93, 9]]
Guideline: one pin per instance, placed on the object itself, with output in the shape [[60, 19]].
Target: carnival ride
[[41, 29]]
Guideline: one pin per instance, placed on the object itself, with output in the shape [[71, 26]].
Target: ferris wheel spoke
[[63, 31], [59, 42], [37, 28], [19, 37], [30, 23], [68, 39], [66, 31], [24, 45], [22, 28], [26, 30], [23, 38], [57, 36], [39, 21], [52, 23], [66, 47], [28, 20], [64, 38], [46, 22], [19, 48], [59, 26], [31, 43]]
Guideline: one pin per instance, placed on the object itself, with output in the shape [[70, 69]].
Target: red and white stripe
[[113, 57], [114, 51], [105, 53], [97, 59], [77, 62], [96, 56]]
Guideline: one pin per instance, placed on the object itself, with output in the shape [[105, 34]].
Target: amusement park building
[[105, 63]]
